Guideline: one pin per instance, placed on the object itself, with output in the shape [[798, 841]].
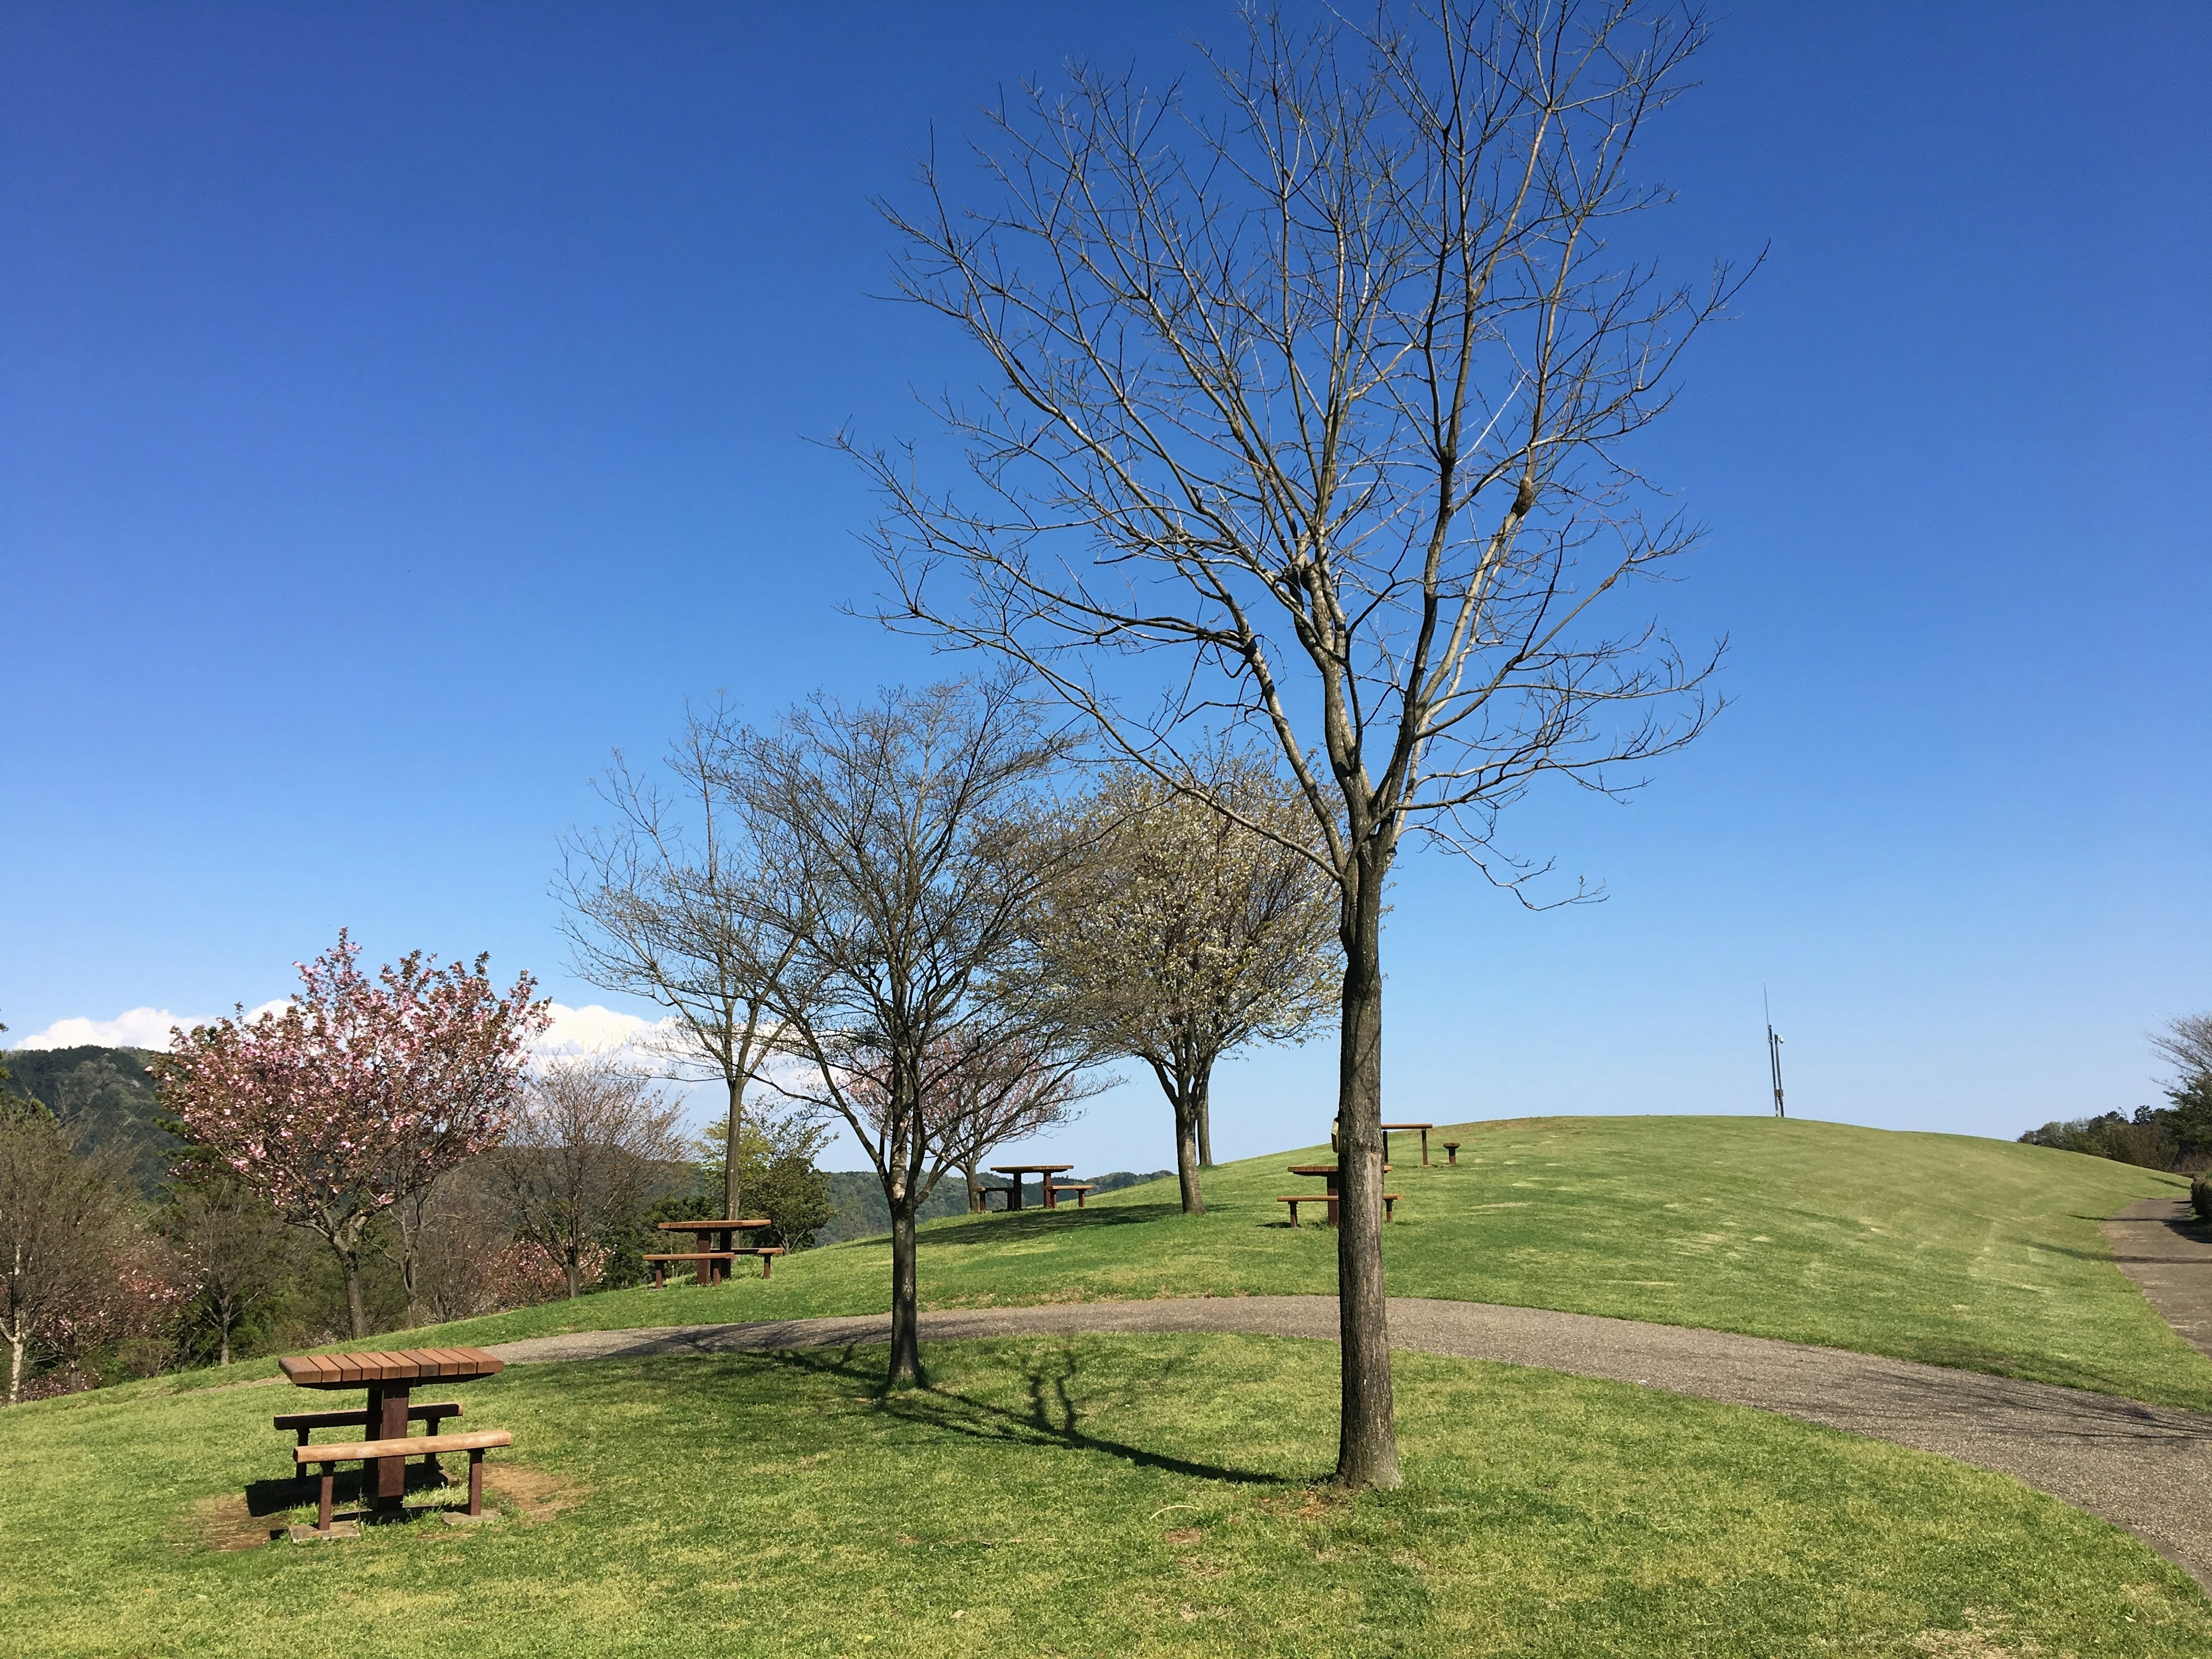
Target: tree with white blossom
[[1176, 935]]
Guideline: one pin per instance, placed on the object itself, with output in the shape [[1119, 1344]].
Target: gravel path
[[2160, 1243], [2145, 1467]]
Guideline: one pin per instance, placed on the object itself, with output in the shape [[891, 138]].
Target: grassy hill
[[1156, 1495], [1138, 1496], [1959, 1251]]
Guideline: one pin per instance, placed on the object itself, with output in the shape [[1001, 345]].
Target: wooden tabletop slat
[[407, 1365]]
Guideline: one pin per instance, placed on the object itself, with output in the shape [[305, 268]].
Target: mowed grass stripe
[[1140, 1495]]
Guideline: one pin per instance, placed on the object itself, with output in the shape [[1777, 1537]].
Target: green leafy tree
[[776, 1172]]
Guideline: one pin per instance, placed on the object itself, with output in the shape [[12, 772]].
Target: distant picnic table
[[389, 1378], [1045, 1172], [713, 1247], [1327, 1172], [1408, 1127]]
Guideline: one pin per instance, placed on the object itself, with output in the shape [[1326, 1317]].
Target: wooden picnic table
[[388, 1378], [715, 1235], [1327, 1173], [1045, 1172], [1409, 1127]]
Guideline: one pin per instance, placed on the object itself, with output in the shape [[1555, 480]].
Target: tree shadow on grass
[[1051, 1417], [1005, 1226]]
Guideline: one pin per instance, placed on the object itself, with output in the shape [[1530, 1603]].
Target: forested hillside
[[104, 1097]]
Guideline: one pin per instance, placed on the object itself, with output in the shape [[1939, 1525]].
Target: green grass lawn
[[1964, 1252], [1125, 1495]]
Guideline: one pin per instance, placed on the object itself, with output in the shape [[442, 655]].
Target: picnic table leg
[[1330, 1181], [1051, 1198], [330, 1477], [387, 1420], [1424, 1150], [1013, 1192], [476, 1481]]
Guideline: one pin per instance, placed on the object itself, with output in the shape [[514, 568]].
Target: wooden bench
[[432, 1414], [1390, 1202], [1080, 1188], [329, 1455], [766, 1253], [660, 1259]]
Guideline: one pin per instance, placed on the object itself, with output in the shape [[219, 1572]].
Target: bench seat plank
[[418, 1445], [350, 1419]]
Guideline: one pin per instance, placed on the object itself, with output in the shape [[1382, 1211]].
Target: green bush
[[2200, 1197]]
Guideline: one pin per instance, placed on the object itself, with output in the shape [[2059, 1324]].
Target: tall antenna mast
[[1773, 1052]]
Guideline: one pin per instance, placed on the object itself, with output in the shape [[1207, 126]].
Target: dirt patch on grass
[[1984, 1637], [226, 1522], [535, 1494]]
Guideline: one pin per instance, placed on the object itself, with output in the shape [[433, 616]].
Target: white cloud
[[134, 1028], [594, 1029], [591, 1028]]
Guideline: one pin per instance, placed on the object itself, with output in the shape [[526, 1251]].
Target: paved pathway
[[2145, 1467], [2160, 1243]]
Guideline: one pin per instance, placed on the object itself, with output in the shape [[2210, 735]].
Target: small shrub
[[2200, 1197]]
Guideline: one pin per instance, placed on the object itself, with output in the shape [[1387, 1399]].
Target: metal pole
[[1773, 1054]]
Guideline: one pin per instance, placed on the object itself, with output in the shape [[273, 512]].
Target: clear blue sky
[[401, 407]]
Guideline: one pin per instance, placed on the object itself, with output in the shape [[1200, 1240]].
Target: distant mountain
[[105, 1098]]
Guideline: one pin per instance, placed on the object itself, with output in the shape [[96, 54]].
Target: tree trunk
[[731, 1195], [906, 1341], [1367, 1443], [975, 1190], [1187, 1108], [407, 1272], [356, 1310], [224, 1325], [1206, 1122], [16, 1342], [571, 1269]]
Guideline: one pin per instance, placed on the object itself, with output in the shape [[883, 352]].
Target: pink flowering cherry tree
[[352, 1100]]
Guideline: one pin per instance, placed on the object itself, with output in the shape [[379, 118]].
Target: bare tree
[[62, 1228], [467, 1244], [2187, 1042], [592, 1146], [661, 910], [903, 869], [1323, 390], [1179, 935], [233, 1241], [1006, 1093]]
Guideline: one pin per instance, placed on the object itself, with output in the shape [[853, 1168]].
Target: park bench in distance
[[766, 1253], [1080, 1188], [1389, 1203]]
